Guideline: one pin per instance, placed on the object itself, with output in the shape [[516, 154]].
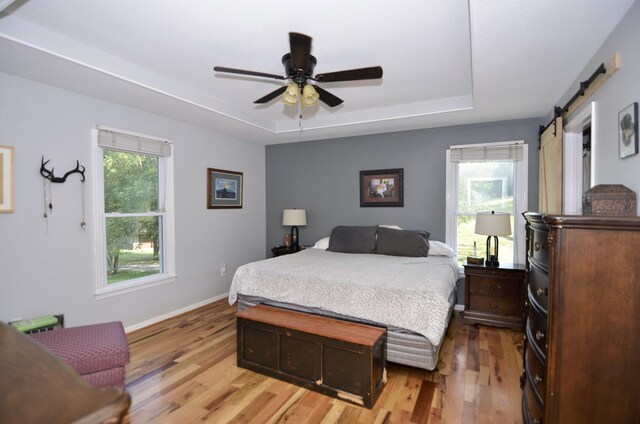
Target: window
[[134, 211], [486, 177]]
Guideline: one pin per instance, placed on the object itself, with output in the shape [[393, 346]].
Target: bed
[[412, 296]]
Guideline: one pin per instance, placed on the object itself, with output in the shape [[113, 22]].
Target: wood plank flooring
[[183, 370]]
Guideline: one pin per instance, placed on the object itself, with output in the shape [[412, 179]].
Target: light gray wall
[[323, 177], [47, 266], [622, 89]]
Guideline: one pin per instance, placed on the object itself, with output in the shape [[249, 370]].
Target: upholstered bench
[[97, 352]]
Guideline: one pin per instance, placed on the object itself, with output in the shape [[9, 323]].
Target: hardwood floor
[[183, 370]]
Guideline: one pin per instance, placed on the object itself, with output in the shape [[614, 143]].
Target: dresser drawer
[[531, 409], [539, 287], [536, 374], [539, 248], [501, 305], [537, 331]]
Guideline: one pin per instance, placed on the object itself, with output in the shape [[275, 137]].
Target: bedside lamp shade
[[294, 218], [493, 224]]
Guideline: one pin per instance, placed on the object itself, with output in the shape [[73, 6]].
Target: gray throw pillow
[[350, 239], [402, 242]]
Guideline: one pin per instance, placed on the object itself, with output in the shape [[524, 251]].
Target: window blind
[[508, 152], [133, 143]]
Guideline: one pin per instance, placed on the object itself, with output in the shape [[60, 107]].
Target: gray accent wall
[[323, 177]]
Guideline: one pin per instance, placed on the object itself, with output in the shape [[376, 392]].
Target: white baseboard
[[458, 307], [174, 313]]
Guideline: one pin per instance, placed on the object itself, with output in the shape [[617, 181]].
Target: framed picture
[[382, 187], [6, 179], [628, 130], [224, 189]]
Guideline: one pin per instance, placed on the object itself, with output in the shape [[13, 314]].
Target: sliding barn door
[[551, 168]]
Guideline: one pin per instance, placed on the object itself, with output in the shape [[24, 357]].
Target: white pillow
[[438, 248], [394, 227], [323, 243]]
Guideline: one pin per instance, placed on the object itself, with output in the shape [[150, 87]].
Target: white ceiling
[[446, 62]]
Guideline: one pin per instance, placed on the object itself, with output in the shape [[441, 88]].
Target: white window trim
[[521, 181], [102, 290], [572, 157]]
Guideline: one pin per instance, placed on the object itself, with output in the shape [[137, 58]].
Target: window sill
[[134, 286]]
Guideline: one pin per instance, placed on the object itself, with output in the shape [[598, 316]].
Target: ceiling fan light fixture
[[291, 95], [309, 95]]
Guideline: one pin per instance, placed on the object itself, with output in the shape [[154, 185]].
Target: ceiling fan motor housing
[[299, 76]]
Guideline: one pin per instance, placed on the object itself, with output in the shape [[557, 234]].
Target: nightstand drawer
[[492, 286], [500, 305]]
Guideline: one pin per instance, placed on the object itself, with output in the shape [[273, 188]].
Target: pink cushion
[[88, 348], [113, 377]]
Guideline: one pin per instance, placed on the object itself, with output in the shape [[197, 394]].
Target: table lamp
[[493, 224], [294, 217]]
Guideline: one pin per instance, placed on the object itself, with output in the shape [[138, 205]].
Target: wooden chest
[[338, 358]]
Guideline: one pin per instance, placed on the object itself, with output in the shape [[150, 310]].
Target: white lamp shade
[[294, 217], [493, 223]]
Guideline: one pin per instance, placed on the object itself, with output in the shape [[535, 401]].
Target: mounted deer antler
[[79, 169]]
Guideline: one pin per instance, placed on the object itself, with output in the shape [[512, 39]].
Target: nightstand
[[495, 295], [283, 250]]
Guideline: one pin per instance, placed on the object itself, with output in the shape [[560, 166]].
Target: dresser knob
[[537, 379], [539, 335], [540, 291], [536, 246]]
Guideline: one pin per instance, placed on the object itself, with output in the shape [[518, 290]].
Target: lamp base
[[492, 262], [492, 252]]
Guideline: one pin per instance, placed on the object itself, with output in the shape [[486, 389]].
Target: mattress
[[403, 292], [403, 346]]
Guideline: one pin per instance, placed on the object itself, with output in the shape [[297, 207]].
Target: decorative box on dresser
[[582, 338]]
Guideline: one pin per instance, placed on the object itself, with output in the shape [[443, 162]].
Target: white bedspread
[[405, 292]]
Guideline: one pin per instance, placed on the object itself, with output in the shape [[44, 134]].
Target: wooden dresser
[[582, 339]]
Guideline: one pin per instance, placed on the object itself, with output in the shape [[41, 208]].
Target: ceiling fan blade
[[327, 97], [243, 72], [300, 51], [374, 72], [271, 95]]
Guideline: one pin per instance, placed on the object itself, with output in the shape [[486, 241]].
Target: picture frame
[[224, 189], [382, 188], [7, 191], [628, 131]]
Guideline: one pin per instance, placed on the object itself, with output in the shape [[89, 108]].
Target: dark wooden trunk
[[341, 359]]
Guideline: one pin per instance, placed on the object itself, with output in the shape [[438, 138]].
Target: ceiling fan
[[299, 65]]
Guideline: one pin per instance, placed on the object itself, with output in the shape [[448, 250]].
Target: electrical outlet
[[223, 270]]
